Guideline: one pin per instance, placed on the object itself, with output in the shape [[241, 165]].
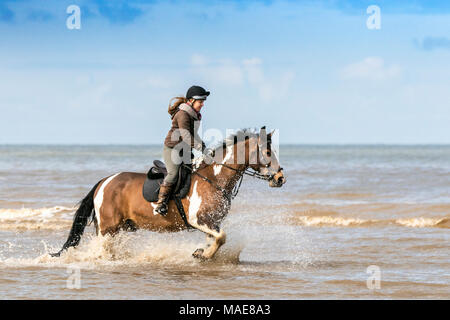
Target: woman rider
[[186, 116]]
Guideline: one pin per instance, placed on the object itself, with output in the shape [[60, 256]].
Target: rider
[[186, 116]]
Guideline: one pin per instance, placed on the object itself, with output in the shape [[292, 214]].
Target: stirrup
[[161, 209]]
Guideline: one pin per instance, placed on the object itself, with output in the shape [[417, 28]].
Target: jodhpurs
[[172, 168]]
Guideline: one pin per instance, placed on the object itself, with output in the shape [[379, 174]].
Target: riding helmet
[[196, 92]]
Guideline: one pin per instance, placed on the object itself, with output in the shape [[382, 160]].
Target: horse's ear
[[263, 135], [271, 133], [262, 132]]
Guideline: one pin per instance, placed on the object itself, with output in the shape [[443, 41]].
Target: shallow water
[[343, 209]]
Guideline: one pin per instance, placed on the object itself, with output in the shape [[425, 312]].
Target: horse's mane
[[232, 139]]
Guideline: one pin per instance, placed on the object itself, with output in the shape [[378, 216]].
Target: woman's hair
[[173, 108]]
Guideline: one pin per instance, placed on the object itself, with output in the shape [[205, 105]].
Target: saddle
[[155, 177]]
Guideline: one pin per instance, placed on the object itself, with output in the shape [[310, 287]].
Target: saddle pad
[[150, 190]]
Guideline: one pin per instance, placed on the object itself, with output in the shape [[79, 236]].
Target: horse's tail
[[82, 215]]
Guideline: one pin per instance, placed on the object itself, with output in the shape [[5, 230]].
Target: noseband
[[234, 192]]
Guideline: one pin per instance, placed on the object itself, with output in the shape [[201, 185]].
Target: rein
[[224, 192], [236, 188], [247, 171]]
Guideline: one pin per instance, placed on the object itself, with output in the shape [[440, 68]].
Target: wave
[[60, 217], [323, 221], [320, 207], [338, 195], [424, 222], [53, 218], [29, 212]]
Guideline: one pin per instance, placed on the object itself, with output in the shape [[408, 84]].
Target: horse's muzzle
[[277, 180]]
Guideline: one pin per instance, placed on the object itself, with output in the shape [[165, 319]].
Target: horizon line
[[281, 144]]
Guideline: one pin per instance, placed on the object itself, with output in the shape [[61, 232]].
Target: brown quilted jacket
[[185, 118]]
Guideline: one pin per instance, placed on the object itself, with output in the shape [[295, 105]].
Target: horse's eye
[[268, 153]]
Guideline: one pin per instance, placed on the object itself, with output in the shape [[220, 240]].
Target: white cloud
[[253, 69], [156, 82], [199, 60], [276, 86], [248, 72], [95, 96], [230, 74], [372, 68], [252, 62], [217, 73]]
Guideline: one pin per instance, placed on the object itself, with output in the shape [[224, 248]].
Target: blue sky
[[311, 69]]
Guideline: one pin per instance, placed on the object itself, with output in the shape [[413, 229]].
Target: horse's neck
[[226, 175]]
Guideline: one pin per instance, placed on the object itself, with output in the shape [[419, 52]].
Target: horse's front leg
[[219, 238]]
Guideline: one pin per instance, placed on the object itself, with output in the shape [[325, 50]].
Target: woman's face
[[197, 105]]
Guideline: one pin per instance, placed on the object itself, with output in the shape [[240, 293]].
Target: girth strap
[[226, 194], [180, 208]]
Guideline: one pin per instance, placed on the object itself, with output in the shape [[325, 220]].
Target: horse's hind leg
[[108, 232], [129, 225]]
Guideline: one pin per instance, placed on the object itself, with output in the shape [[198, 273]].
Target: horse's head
[[265, 159]]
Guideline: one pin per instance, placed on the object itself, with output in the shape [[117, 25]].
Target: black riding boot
[[163, 198]]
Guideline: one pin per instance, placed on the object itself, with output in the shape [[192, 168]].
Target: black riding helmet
[[197, 93]]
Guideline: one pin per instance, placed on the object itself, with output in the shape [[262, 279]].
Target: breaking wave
[[53, 218], [368, 214], [322, 221], [60, 217]]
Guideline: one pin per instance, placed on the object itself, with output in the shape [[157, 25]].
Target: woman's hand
[[208, 152]]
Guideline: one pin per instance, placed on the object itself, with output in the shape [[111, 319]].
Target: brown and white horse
[[116, 202]]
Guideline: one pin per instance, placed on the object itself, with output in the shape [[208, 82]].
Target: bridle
[[246, 171]]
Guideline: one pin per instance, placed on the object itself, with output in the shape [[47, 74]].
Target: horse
[[116, 202]]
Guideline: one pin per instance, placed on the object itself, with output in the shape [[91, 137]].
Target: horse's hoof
[[55, 255], [198, 254]]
